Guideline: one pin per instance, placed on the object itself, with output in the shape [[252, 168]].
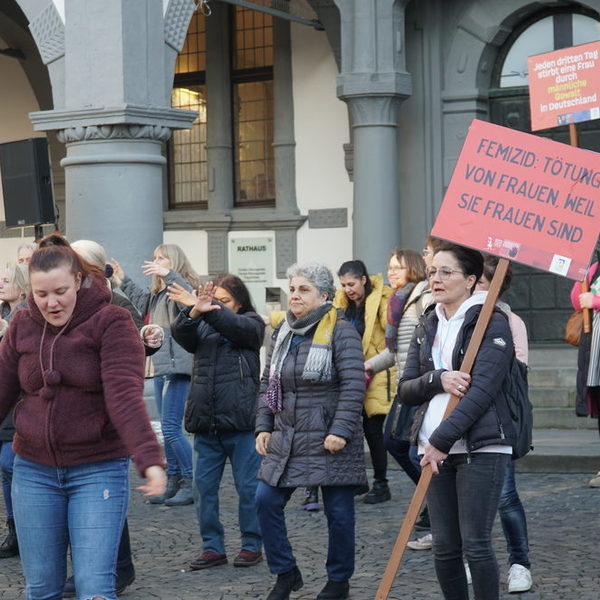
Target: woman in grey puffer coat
[[171, 365], [309, 428]]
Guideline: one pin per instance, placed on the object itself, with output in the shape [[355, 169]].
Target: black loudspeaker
[[26, 182]]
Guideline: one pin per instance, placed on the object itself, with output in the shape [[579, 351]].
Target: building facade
[[258, 133]]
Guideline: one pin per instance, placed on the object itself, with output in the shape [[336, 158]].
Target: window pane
[[187, 164], [253, 115], [192, 57], [254, 35]]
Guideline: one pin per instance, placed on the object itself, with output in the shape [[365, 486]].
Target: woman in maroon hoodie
[[77, 362]]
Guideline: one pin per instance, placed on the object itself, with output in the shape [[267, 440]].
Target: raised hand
[[204, 299], [117, 269], [179, 294], [151, 268]]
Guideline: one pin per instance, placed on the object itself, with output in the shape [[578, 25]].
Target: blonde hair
[[179, 263], [95, 254], [18, 275]]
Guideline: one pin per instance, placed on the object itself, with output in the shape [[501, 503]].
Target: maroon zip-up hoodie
[[93, 409]]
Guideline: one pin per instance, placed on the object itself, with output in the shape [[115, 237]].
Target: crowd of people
[[367, 361]]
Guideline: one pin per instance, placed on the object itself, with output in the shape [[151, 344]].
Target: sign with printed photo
[[524, 198]]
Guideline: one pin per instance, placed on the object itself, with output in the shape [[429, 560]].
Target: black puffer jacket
[[226, 371], [482, 416], [311, 411]]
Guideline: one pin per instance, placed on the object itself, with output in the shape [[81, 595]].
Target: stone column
[[113, 189], [284, 142], [219, 144], [112, 110], [373, 82]]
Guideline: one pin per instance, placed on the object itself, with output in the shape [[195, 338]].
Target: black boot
[[335, 590], [286, 583], [10, 546], [184, 495], [170, 491], [380, 492]]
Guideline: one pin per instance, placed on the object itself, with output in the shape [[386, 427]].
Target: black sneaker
[[380, 492]]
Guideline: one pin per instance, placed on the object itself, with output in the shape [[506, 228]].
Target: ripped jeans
[[85, 504]]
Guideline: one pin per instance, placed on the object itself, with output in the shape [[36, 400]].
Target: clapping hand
[[117, 269]]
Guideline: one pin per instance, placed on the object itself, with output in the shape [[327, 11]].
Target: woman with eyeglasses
[[471, 449]]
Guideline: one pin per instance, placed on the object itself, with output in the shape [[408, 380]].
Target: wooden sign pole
[[587, 313], [418, 498]]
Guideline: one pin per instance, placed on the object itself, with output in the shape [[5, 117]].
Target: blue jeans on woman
[[514, 523], [211, 451], [338, 502], [7, 457], [463, 502], [84, 505], [171, 393]]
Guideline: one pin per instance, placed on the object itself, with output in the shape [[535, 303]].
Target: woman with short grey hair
[[309, 428], [319, 275]]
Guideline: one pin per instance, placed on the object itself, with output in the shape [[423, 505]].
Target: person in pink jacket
[[588, 360]]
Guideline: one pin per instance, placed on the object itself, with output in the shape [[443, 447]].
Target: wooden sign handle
[[587, 313], [418, 498]]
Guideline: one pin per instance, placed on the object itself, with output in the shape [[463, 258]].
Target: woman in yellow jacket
[[364, 300]]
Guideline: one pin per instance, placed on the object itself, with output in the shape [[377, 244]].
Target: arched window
[[549, 33]]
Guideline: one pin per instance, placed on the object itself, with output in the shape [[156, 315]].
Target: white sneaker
[[595, 481], [422, 543], [519, 579]]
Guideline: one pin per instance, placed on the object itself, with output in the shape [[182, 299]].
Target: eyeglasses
[[444, 273], [396, 269]]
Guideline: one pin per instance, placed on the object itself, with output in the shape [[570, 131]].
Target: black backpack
[[516, 389]]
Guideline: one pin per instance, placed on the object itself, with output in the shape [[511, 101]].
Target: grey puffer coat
[[171, 358], [312, 410]]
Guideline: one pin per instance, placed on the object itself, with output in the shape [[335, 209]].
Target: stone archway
[[540, 298]]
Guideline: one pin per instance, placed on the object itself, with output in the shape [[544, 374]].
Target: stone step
[[552, 397], [556, 377], [559, 355], [561, 418]]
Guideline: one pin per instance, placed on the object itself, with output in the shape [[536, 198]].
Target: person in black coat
[[224, 333], [470, 450], [309, 428]]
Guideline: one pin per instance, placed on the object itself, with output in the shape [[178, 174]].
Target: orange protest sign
[[525, 198], [564, 86]]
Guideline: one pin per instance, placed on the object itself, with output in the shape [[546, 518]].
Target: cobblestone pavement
[[563, 523]]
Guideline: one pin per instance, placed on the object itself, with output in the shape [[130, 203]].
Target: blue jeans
[[84, 504], [170, 403], [514, 524], [7, 457], [338, 502], [211, 452], [463, 502]]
